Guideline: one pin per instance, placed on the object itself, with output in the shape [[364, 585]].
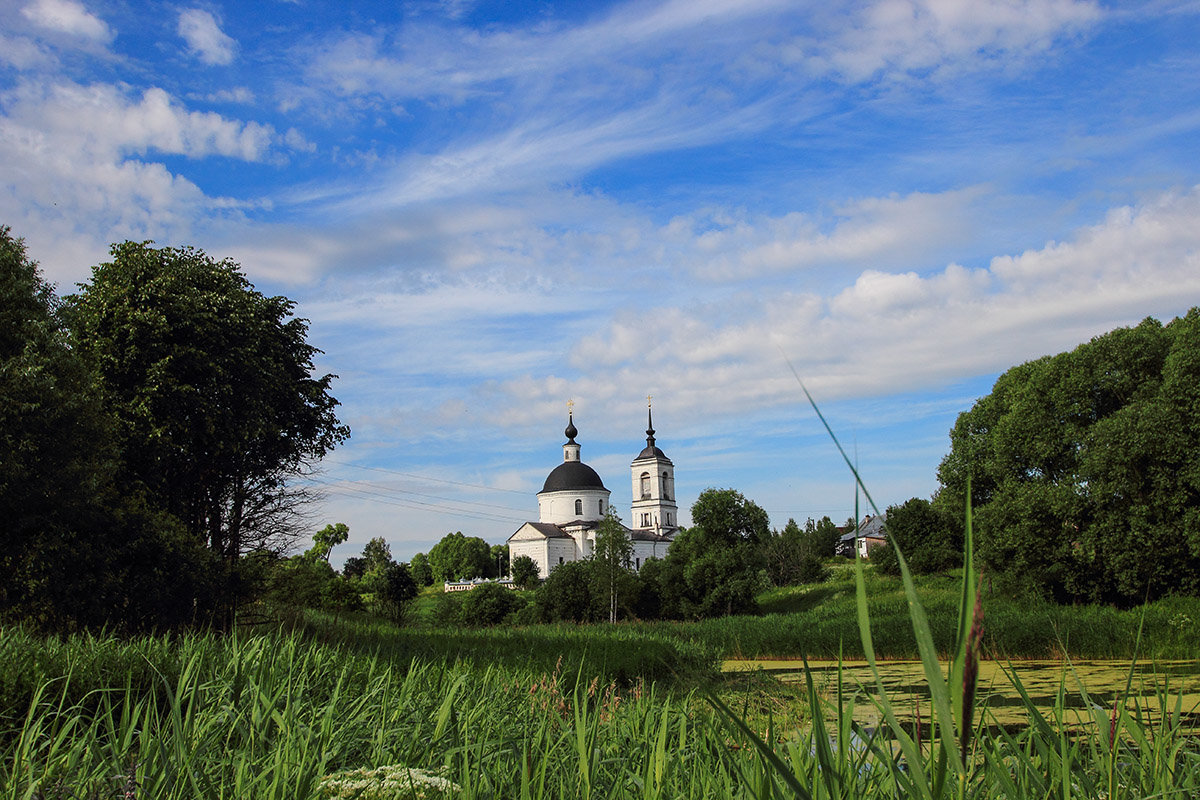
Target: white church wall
[[559, 507]]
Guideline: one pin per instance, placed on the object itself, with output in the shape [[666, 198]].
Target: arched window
[[645, 485], [600, 507], [666, 487], [578, 506]]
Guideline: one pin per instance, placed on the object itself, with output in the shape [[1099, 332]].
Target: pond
[[1176, 682]]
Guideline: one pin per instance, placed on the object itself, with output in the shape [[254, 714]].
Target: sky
[[488, 209]]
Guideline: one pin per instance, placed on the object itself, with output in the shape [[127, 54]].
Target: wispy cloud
[[897, 331], [205, 38], [69, 17]]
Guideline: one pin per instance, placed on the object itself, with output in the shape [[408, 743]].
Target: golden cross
[[570, 405], [647, 401]]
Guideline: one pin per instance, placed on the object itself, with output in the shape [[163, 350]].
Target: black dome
[[650, 451], [572, 475]]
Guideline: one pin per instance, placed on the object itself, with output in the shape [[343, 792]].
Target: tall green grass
[[820, 621]]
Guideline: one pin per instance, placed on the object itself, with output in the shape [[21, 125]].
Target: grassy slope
[[818, 621]]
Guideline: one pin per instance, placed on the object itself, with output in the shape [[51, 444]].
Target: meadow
[[359, 709]]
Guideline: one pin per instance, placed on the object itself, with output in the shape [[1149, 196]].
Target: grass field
[[360, 709], [820, 621]]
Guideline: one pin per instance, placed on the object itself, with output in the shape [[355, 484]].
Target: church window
[[645, 485], [560, 559], [639, 563], [578, 506], [600, 506], [666, 490]]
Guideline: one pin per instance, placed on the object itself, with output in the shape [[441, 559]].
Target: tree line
[[154, 425]]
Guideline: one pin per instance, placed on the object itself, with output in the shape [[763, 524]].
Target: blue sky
[[488, 209]]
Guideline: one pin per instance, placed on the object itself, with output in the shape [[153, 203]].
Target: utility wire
[[379, 497], [428, 478]]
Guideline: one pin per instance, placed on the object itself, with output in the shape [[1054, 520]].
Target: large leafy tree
[[460, 557], [52, 443], [712, 568], [929, 536], [1085, 467], [79, 550], [211, 384]]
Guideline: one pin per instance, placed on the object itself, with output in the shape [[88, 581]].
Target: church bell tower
[[654, 508]]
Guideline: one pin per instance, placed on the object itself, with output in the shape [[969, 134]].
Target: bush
[[488, 604]]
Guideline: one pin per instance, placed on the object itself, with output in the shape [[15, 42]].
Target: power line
[[384, 499], [397, 490], [428, 478]]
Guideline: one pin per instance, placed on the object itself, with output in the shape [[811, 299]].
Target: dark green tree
[[488, 604], [566, 594], [525, 572], [1084, 468], [421, 572], [395, 593], [354, 568], [211, 386], [726, 516], [712, 568], [498, 562], [794, 556], [79, 550], [930, 538]]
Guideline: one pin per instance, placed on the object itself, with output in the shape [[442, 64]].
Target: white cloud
[[205, 38], [66, 16], [21, 52], [237, 94], [891, 332], [71, 188], [119, 125], [918, 36], [721, 245]]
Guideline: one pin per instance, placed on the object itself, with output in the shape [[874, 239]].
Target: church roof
[[572, 475], [647, 536], [650, 450], [549, 530]]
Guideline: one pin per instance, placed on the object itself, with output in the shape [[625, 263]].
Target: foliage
[[725, 516], [354, 568], [210, 383], [611, 564], [712, 569], [301, 582], [395, 592], [525, 572], [929, 536], [376, 556], [420, 569], [795, 556], [78, 551], [1085, 468], [488, 604], [458, 557], [330, 537], [566, 594], [498, 563]]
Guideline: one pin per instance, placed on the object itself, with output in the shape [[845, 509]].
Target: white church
[[574, 500]]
